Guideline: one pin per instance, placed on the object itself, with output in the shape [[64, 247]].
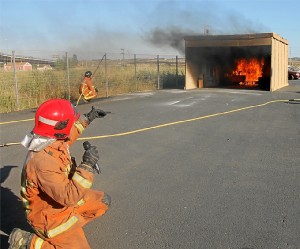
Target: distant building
[[20, 66], [44, 67]]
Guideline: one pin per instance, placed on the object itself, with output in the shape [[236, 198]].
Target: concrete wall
[[279, 63]]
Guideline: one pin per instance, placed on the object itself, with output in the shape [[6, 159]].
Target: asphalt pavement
[[205, 168]]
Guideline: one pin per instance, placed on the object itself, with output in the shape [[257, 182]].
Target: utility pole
[[68, 76], [123, 56], [16, 81], [206, 30], [290, 56]]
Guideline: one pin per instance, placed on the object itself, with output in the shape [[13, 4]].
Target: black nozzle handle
[[86, 146]]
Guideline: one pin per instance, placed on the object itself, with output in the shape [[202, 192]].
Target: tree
[[74, 61], [61, 64]]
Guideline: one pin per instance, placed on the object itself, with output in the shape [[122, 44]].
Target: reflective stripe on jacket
[[87, 89]]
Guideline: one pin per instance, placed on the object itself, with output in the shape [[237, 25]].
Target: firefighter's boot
[[19, 239]]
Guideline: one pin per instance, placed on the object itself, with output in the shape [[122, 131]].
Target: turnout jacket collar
[[34, 142]]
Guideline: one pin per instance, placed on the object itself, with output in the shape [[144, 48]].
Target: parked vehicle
[[293, 73]]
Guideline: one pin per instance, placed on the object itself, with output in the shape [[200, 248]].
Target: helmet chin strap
[[60, 135]]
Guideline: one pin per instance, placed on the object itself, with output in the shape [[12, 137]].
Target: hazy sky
[[138, 26]]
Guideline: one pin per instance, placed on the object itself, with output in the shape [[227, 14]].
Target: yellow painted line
[[17, 121], [9, 144], [166, 124]]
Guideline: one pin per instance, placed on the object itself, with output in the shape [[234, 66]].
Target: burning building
[[242, 61]]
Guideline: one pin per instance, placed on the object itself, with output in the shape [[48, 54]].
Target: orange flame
[[251, 68]]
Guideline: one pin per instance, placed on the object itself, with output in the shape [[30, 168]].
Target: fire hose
[[20, 143], [171, 123]]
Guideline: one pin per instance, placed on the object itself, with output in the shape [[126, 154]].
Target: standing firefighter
[[86, 89], [57, 197]]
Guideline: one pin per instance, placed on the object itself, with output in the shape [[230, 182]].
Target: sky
[[85, 27]]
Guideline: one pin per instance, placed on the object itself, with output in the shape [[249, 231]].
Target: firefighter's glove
[[95, 113], [90, 159]]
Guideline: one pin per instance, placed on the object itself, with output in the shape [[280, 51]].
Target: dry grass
[[34, 87]]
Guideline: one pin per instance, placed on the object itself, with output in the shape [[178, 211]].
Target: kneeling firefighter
[[86, 88], [57, 197]]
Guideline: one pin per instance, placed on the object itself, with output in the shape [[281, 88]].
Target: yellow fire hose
[[78, 99], [161, 125]]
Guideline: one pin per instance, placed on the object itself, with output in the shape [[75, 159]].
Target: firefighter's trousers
[[74, 237]]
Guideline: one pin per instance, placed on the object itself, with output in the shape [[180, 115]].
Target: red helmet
[[55, 118]]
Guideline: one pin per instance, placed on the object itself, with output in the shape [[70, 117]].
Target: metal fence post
[[68, 76], [158, 79], [16, 80], [105, 75], [136, 82], [176, 65], [176, 71]]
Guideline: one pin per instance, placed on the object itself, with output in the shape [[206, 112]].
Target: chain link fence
[[27, 81]]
